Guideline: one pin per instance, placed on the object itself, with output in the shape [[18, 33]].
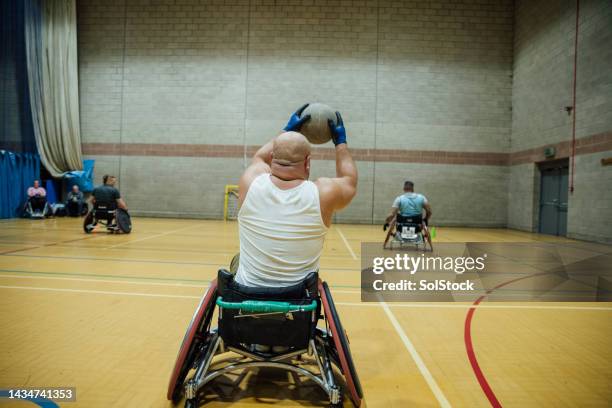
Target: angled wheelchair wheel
[[88, 226], [340, 340], [194, 343], [389, 236], [124, 222]]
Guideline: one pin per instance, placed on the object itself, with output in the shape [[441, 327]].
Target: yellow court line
[[352, 304], [179, 284], [174, 284], [152, 236], [100, 292]]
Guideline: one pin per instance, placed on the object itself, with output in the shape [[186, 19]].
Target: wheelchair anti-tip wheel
[[341, 343], [195, 343]]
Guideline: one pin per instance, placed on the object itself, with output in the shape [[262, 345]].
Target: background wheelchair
[[115, 219], [31, 210], [408, 231], [265, 327]]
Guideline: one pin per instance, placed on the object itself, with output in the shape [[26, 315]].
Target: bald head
[[290, 157], [289, 148]]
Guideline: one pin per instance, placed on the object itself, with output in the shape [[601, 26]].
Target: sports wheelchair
[[408, 231], [31, 211], [115, 219], [265, 327]]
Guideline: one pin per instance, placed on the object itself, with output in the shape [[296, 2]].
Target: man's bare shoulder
[[326, 185]]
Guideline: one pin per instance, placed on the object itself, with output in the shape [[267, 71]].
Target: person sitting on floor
[[75, 202]]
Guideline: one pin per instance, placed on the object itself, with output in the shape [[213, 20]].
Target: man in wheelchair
[[405, 221], [108, 208], [270, 309], [37, 206]]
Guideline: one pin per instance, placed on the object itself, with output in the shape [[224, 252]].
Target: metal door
[[553, 199]]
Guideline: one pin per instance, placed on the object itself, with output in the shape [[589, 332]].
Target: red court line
[[469, 346]]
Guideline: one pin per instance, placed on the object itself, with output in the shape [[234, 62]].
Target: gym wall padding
[[17, 173]]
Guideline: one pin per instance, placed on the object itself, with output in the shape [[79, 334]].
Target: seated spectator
[[37, 197], [75, 202]]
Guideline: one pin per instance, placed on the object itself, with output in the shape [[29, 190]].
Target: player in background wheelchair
[[37, 207], [405, 221], [108, 209]]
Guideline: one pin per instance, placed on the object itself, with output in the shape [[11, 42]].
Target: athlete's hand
[[337, 130], [295, 121], [385, 226]]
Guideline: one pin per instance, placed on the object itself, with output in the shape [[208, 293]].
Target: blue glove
[[337, 130], [295, 121]]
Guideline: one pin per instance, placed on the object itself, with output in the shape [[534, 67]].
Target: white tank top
[[281, 233]]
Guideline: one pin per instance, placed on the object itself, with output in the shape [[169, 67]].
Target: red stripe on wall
[[586, 145]]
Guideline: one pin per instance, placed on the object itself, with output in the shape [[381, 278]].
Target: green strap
[[262, 306]]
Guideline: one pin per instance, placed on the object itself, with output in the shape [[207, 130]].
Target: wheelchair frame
[[201, 344], [121, 217], [37, 215], [394, 237]]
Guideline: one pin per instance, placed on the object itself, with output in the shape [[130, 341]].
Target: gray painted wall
[[542, 86], [479, 76], [404, 75]]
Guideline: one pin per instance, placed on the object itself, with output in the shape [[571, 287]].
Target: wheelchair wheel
[[87, 223], [192, 403], [343, 352], [195, 339], [124, 222]]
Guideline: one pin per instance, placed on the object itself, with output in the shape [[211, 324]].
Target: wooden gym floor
[[106, 314]]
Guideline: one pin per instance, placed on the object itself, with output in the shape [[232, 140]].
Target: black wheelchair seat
[[105, 212], [409, 222], [408, 230], [293, 328]]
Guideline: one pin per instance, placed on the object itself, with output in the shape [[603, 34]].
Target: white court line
[[354, 292], [352, 304], [346, 243], [433, 385], [101, 292], [152, 236], [179, 284]]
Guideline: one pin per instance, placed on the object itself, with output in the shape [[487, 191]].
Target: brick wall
[[542, 87], [406, 76]]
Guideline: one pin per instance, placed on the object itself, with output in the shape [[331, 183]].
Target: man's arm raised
[[259, 164], [336, 193]]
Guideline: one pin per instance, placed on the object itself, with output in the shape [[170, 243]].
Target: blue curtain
[[16, 128], [17, 172]]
